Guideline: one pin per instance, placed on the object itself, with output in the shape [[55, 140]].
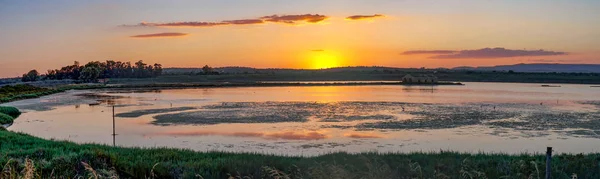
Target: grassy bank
[[21, 154], [8, 114], [10, 93]]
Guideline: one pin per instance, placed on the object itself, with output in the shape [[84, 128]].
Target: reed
[[66, 159]]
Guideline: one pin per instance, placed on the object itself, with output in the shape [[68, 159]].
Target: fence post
[[113, 118], [548, 160]]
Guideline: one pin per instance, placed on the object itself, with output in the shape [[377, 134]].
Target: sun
[[324, 59]]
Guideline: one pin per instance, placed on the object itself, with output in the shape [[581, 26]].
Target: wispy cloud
[[363, 17], [483, 53], [244, 21], [166, 34], [429, 52], [553, 61], [317, 50], [284, 19], [178, 24], [294, 19]]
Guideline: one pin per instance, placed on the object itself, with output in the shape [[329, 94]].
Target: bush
[[6, 119], [11, 111]]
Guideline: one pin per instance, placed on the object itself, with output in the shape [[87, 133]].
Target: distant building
[[416, 79]]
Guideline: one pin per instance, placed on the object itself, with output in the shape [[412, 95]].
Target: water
[[476, 117]]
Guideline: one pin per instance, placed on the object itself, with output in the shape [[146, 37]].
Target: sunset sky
[[42, 35]]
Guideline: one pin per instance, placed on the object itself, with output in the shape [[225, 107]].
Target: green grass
[[11, 111], [6, 119], [66, 159], [18, 92]]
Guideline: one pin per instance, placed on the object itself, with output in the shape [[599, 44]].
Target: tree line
[[95, 70]]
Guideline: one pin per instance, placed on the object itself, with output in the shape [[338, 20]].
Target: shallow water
[[477, 117]]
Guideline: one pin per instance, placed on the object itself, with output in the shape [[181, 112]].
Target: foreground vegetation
[[10, 93], [8, 114], [22, 155]]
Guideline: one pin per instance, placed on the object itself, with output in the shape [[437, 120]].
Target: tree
[[32, 75], [90, 74], [139, 69], [95, 70], [207, 70], [157, 70]]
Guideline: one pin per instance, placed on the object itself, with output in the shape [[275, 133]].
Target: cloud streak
[[294, 19], [282, 19], [427, 52], [363, 17], [166, 34], [483, 53]]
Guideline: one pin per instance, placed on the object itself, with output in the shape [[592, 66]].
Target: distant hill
[[279, 70], [531, 67], [539, 67]]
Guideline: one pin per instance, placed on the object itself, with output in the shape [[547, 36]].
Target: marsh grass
[[23, 154], [10, 93], [6, 119], [11, 111]]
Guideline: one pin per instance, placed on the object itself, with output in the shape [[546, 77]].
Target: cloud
[[483, 53], [294, 19], [362, 135], [166, 34], [553, 61], [418, 52], [362, 17], [244, 21], [285, 19], [317, 50], [178, 24]]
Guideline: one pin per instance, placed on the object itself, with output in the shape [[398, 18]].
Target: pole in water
[[548, 160], [113, 117]]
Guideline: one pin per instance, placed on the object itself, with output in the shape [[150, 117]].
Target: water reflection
[[362, 135], [488, 117], [287, 135]]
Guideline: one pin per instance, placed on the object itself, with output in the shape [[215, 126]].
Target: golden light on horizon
[[322, 59]]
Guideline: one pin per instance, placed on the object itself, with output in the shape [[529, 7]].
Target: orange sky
[[239, 33]]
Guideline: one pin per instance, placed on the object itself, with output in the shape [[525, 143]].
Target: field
[[370, 75]]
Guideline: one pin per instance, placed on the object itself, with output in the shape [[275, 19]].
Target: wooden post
[[548, 160], [113, 116]]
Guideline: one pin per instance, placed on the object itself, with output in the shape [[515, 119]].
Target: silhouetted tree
[[95, 70], [32, 75], [207, 69]]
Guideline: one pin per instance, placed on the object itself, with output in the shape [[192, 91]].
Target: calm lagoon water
[[476, 117]]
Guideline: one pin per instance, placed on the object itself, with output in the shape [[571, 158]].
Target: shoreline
[[63, 88], [272, 84]]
